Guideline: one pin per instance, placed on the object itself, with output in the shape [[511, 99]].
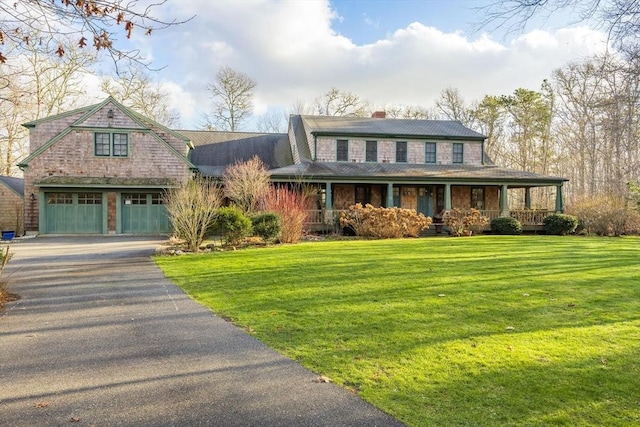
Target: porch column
[[527, 198], [390, 194], [559, 202], [504, 204], [447, 197], [328, 200]]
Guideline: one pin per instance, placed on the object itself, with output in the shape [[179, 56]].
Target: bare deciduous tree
[[246, 183], [341, 103], [619, 18], [36, 86], [135, 89], [452, 106], [272, 122], [59, 26], [232, 93]]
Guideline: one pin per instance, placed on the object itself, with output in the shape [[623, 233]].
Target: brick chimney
[[379, 115]]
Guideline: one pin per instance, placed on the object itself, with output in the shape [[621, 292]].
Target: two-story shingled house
[[102, 169]]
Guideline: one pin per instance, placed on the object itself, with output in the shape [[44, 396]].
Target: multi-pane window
[[401, 151], [111, 144], [135, 199], [342, 150], [458, 152], [372, 151], [103, 144], [477, 198], [59, 198], [430, 152], [120, 144], [89, 198], [157, 199]]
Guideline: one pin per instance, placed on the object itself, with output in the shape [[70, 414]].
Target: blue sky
[[403, 52]]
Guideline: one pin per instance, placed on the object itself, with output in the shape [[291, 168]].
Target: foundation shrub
[[506, 225], [383, 223], [560, 224], [233, 225], [464, 222], [267, 225]]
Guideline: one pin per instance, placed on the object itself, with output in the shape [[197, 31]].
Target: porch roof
[[104, 182], [410, 172]]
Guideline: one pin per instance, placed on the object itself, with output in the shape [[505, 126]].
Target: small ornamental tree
[[246, 183], [192, 210]]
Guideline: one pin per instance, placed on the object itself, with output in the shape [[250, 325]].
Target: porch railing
[[525, 216]]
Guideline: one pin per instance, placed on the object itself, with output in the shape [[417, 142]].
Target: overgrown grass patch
[[484, 331]]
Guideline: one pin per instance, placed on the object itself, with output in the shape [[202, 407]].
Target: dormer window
[[371, 154], [401, 152], [458, 153], [342, 150]]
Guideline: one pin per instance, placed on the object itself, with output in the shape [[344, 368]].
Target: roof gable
[[93, 117]]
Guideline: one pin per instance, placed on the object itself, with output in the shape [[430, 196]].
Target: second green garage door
[[144, 213]]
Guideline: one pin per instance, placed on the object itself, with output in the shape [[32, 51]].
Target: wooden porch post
[[504, 204], [390, 194], [328, 202], [559, 202], [527, 198], [447, 197]]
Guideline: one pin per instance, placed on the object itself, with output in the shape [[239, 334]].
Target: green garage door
[[68, 213], [144, 213]]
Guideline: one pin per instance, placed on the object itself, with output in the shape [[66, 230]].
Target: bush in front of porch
[[383, 223]]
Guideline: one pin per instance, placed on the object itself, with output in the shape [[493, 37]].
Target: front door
[[424, 201]]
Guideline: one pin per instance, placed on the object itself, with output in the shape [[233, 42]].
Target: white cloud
[[291, 50]]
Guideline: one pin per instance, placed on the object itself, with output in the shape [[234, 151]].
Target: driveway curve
[[100, 337]]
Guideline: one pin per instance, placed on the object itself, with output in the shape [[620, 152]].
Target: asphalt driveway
[[100, 337]]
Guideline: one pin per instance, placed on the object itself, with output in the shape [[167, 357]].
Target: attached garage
[[74, 212]]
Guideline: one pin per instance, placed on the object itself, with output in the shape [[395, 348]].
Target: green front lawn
[[481, 331]]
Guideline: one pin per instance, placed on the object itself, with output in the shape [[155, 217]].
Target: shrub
[[560, 224], [383, 223], [606, 216], [463, 223], [506, 225], [292, 206], [5, 256], [267, 225], [192, 210], [233, 225]]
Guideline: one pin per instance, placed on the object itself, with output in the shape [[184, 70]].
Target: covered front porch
[[434, 199]]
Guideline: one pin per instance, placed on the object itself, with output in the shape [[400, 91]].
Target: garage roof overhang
[[111, 182]]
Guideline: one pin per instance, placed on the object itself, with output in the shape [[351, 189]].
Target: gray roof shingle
[[401, 128], [15, 184], [411, 172]]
